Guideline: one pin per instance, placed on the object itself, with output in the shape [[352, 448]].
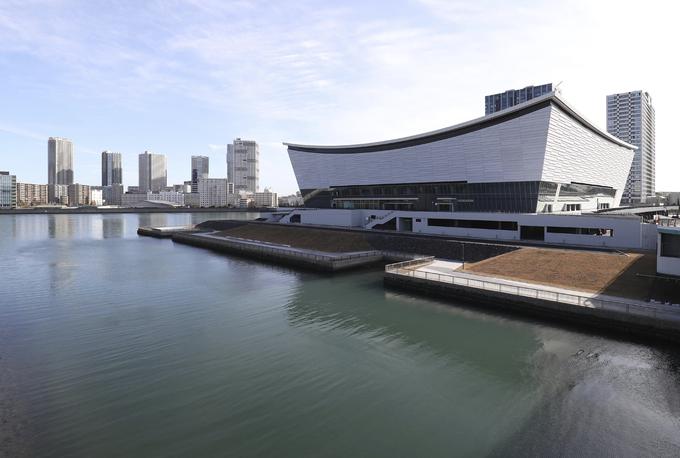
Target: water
[[117, 345]]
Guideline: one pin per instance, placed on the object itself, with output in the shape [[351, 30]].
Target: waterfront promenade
[[445, 278]]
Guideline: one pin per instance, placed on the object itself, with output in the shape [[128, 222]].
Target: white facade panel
[[576, 154], [510, 151]]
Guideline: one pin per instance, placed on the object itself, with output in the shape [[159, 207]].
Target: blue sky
[[183, 77]]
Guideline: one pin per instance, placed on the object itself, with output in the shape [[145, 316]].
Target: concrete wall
[[628, 231]]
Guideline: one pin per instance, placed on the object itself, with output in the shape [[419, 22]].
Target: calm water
[[116, 345]]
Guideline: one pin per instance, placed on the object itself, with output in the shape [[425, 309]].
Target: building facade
[[79, 195], [266, 199], [213, 192], [59, 164], [630, 117], [113, 194], [243, 165], [153, 172], [200, 169], [8, 190], [512, 97], [112, 168], [30, 195], [540, 156]]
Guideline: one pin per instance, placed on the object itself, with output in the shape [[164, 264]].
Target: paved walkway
[[445, 272]]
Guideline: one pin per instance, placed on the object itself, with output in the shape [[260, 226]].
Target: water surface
[[117, 345]]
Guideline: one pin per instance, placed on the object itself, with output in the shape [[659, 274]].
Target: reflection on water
[[129, 346]]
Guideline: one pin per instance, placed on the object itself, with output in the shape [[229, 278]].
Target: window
[[572, 207], [581, 231], [473, 224], [670, 245]]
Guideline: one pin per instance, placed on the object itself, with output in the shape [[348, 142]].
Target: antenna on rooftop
[[557, 89]]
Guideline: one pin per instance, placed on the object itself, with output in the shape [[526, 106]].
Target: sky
[[186, 77]]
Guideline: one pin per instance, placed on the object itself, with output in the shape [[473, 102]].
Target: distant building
[[185, 188], [192, 199], [79, 195], [200, 169], [153, 172], [266, 198], [132, 199], [60, 194], [243, 165], [97, 196], [8, 190], [293, 200], [512, 97], [112, 168], [630, 117], [213, 192], [59, 164], [30, 195], [113, 195]]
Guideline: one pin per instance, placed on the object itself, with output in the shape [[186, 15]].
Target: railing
[[666, 312], [670, 222], [410, 263], [248, 245]]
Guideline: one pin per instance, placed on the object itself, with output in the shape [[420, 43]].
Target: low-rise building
[[113, 195], [30, 195], [8, 190], [78, 195], [266, 199]]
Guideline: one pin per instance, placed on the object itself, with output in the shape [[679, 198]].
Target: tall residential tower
[[630, 117], [59, 164], [512, 97], [200, 169], [153, 172], [243, 165], [112, 168]]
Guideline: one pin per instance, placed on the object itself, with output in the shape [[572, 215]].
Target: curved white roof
[[498, 116]]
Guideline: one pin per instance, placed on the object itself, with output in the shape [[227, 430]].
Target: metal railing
[[660, 311], [670, 222], [246, 245]]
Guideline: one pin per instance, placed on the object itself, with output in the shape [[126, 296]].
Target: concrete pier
[[435, 277], [310, 259]]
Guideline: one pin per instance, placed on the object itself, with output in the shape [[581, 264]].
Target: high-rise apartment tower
[[243, 165], [200, 169], [112, 168], [153, 172], [512, 97], [59, 164], [630, 117]]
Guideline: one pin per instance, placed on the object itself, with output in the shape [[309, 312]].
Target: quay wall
[[325, 263], [612, 320]]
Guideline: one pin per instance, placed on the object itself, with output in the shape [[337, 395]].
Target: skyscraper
[[153, 172], [512, 97], [630, 117], [243, 165], [59, 164], [112, 168], [200, 169]]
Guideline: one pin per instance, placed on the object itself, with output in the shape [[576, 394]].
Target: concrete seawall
[[308, 259], [628, 323]]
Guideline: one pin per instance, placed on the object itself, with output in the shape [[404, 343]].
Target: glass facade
[[503, 197], [8, 190], [512, 97]]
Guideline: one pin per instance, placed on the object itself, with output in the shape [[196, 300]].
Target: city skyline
[[186, 87]]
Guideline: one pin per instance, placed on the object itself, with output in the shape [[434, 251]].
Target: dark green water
[[117, 345]]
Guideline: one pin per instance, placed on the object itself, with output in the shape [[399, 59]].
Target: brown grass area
[[606, 273], [310, 239]]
